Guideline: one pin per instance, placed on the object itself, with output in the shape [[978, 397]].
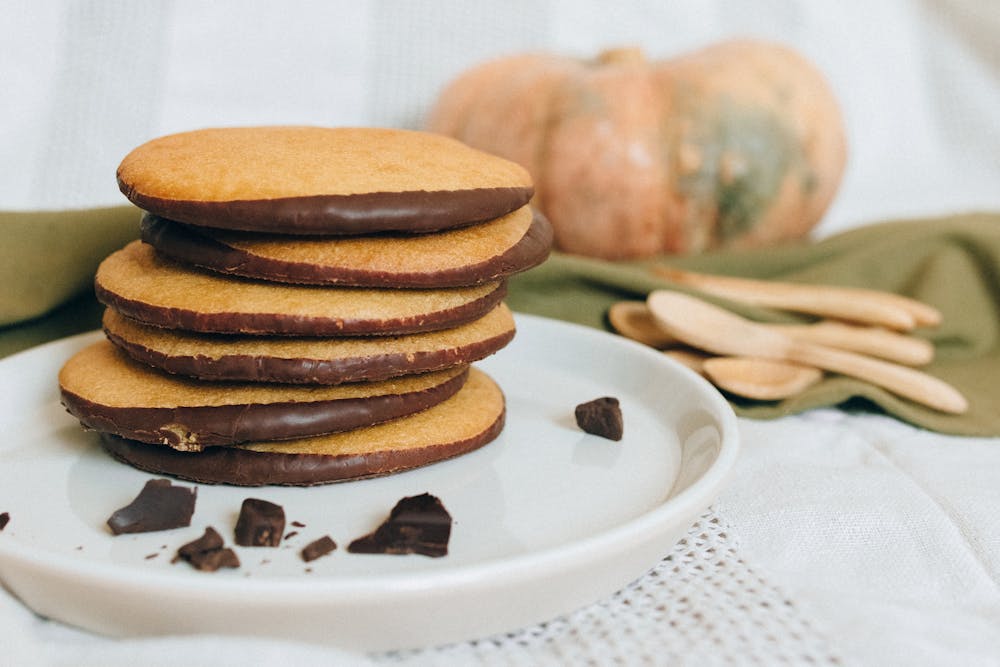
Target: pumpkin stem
[[623, 55]]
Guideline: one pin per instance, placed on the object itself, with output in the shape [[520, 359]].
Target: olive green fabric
[[952, 263], [47, 257]]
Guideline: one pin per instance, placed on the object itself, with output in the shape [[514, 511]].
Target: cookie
[[142, 285], [314, 180], [309, 360], [468, 420], [467, 256], [109, 392]]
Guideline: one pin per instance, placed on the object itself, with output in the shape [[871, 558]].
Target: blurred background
[[83, 82]]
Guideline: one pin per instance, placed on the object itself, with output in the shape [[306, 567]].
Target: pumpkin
[[740, 144]]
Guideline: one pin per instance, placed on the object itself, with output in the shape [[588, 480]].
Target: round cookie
[[468, 256], [309, 359], [315, 180], [468, 420], [144, 286], [109, 392]]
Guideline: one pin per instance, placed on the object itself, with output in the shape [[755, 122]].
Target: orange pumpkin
[[737, 145]]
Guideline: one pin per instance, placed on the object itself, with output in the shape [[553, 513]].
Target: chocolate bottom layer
[[109, 392], [367, 213], [144, 286], [467, 421], [377, 261], [309, 360]]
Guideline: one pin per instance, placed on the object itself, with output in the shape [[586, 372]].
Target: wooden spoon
[[632, 319], [749, 377], [760, 379], [689, 357], [716, 330], [847, 303]]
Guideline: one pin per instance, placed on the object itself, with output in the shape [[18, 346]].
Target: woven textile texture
[[701, 605]]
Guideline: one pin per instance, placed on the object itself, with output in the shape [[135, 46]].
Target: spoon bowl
[[760, 379]]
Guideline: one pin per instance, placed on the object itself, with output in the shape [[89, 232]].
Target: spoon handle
[[874, 341], [849, 303], [901, 380]]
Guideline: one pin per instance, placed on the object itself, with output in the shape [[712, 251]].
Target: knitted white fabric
[[701, 605]]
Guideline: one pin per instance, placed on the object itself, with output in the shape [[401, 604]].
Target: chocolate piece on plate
[[208, 553], [318, 548], [601, 416], [4, 520], [159, 506], [260, 524], [417, 524]]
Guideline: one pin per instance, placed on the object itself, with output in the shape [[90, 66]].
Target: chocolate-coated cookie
[[315, 180], [109, 392], [309, 359], [468, 256], [468, 420], [142, 285]]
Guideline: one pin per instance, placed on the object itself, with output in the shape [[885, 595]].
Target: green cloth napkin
[[48, 257], [952, 263]]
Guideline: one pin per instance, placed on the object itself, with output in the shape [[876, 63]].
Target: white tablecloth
[[843, 538]]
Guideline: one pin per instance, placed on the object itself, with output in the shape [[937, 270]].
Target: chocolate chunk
[[417, 524], [208, 553], [317, 548], [4, 520], [159, 506], [260, 524], [601, 416]]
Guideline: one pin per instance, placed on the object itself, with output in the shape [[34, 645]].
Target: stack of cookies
[[305, 304]]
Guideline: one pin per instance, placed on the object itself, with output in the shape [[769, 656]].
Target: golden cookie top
[[321, 180]]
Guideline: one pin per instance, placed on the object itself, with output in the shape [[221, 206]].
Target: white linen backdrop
[[885, 536]]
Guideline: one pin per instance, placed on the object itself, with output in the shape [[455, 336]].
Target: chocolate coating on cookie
[[467, 421], [418, 211], [309, 360], [144, 405], [141, 285], [469, 256], [309, 180]]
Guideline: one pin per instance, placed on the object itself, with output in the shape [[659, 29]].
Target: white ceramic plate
[[546, 518]]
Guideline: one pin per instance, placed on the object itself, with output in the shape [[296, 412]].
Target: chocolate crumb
[[159, 506], [298, 524], [151, 556], [417, 524], [260, 524], [291, 534], [601, 416], [317, 548], [308, 570], [208, 553], [4, 520], [79, 547]]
